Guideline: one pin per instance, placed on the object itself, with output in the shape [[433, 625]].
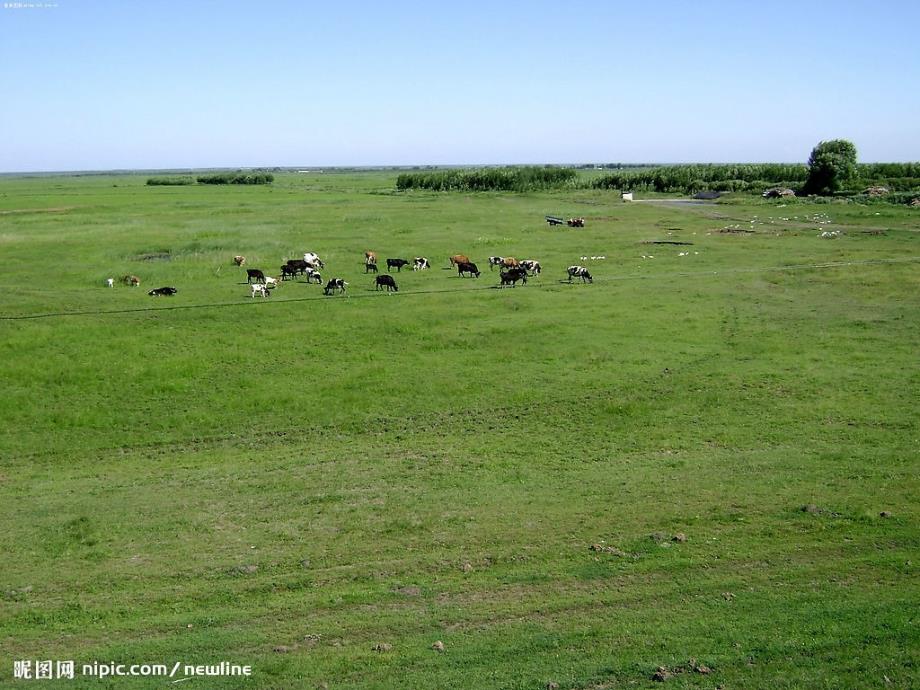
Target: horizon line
[[407, 166]]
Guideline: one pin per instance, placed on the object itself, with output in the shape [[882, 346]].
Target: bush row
[[695, 178], [170, 180], [237, 178], [517, 179], [689, 179], [219, 178]]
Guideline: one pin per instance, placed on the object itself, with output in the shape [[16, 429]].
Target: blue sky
[[102, 85]]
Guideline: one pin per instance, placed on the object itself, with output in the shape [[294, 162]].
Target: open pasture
[[682, 466]]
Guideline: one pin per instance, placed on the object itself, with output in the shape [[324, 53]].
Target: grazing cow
[[510, 262], [314, 276], [288, 270], [370, 268], [163, 292], [397, 263], [299, 265], [457, 259], [110, 282], [133, 281], [271, 282], [495, 261], [420, 264], [313, 260], [511, 277], [370, 258], [333, 285], [239, 260], [579, 272], [387, 282], [255, 274], [575, 222], [531, 265], [467, 268], [258, 289]]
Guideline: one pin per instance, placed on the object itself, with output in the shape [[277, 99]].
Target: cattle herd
[[511, 272]]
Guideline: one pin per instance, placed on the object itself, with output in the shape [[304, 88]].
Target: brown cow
[[510, 262], [457, 259], [370, 258], [239, 260], [134, 281]]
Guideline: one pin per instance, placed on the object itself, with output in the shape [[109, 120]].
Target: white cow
[[271, 282], [420, 264], [259, 289], [313, 259], [110, 282]]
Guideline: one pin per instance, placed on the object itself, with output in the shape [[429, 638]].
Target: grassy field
[[705, 464]]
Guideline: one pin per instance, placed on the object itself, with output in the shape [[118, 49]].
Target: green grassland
[[323, 487]]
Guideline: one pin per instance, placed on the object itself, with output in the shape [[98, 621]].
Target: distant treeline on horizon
[[679, 178]]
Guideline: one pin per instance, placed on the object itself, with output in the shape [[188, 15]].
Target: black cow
[[255, 273], [467, 268], [163, 292], [288, 270], [388, 282], [333, 285], [299, 265], [513, 276], [370, 268], [398, 263]]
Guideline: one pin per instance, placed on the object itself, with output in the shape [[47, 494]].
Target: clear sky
[[88, 85]]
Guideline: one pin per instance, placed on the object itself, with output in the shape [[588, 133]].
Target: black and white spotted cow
[[531, 265], [579, 272], [420, 264], [163, 292], [495, 261], [333, 285]]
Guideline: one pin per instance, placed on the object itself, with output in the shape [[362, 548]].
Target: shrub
[[237, 178], [513, 179], [153, 181], [831, 166]]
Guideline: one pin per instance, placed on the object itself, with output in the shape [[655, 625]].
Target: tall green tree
[[831, 166]]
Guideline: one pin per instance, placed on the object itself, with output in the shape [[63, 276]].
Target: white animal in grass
[[259, 289], [313, 259], [110, 282]]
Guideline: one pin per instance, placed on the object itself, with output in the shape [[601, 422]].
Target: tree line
[[510, 179], [217, 178]]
